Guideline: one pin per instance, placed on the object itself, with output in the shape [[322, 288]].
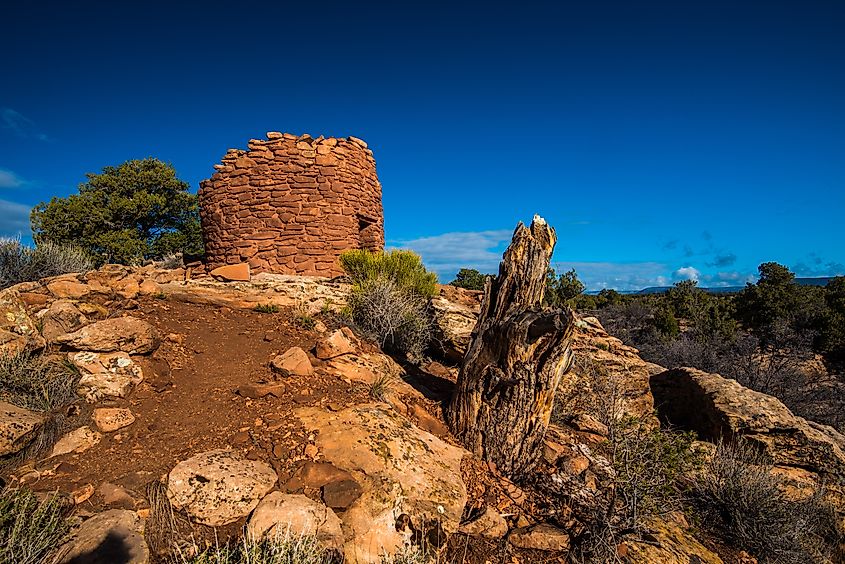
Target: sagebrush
[[740, 499], [37, 381], [396, 318], [22, 263], [282, 548], [30, 529]]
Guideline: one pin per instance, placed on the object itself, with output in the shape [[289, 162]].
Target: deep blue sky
[[663, 140]]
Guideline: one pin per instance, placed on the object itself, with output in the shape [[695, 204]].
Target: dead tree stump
[[518, 353]]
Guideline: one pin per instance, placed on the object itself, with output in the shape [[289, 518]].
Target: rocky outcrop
[[219, 487], [126, 334], [719, 408], [402, 470]]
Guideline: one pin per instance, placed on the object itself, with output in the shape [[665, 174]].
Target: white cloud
[[21, 125], [9, 179], [14, 219], [686, 273], [447, 253]]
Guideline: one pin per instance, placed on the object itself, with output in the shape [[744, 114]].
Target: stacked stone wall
[[292, 204]]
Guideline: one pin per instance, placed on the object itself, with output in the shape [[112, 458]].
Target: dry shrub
[[20, 263], [30, 529], [283, 548], [37, 381], [741, 500], [396, 317]]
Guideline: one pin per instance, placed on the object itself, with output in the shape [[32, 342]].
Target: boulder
[[293, 362], [720, 408], [489, 523], [232, 272], [670, 544], [343, 341], [18, 426], [78, 440], [105, 374], [127, 334], [453, 325], [540, 537], [402, 471], [68, 289], [219, 487], [18, 332], [112, 537], [62, 317], [110, 419], [280, 513]]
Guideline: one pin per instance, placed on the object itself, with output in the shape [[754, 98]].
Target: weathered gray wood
[[519, 352]]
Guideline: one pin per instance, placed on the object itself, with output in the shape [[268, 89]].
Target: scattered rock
[[127, 334], [106, 374], [540, 537], [111, 537], [64, 289], [218, 487], [149, 288], [18, 426], [453, 325], [402, 470], [428, 422], [232, 272], [257, 391], [489, 523], [315, 475], [62, 317], [110, 419], [78, 440], [343, 341], [18, 331], [340, 494], [83, 494], [300, 515], [293, 362], [589, 424], [115, 496]]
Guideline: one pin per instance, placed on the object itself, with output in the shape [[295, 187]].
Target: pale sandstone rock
[[293, 362], [110, 419], [401, 469], [149, 288], [675, 545], [278, 514], [717, 407], [77, 441], [341, 342], [114, 536], [127, 334], [219, 487], [18, 427], [105, 374]]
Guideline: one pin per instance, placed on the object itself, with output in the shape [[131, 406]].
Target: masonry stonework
[[292, 204]]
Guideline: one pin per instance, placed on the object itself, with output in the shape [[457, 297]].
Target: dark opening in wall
[[368, 234]]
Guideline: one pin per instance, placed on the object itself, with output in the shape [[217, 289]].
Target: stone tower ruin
[[292, 204]]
